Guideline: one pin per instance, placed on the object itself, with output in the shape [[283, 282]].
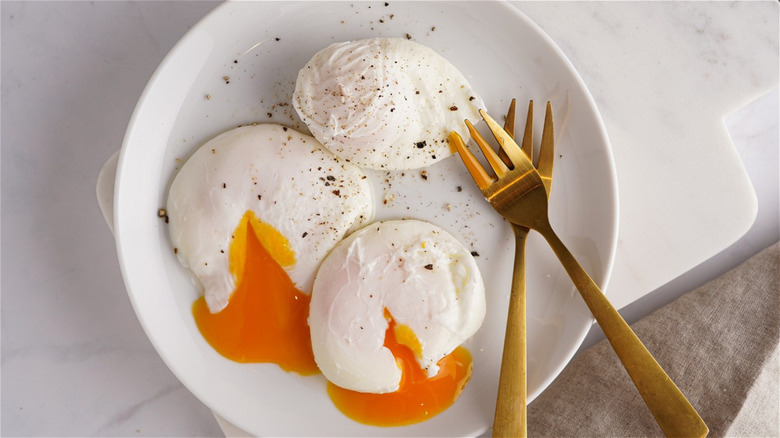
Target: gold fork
[[519, 195], [510, 416]]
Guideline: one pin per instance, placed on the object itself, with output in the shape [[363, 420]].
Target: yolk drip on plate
[[265, 320], [418, 397]]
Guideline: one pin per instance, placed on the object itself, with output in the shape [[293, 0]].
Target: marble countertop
[[75, 360]]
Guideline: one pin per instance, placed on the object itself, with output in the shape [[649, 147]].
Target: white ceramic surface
[[238, 66]]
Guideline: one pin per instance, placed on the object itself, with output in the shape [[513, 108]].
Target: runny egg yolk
[[418, 397], [265, 319]]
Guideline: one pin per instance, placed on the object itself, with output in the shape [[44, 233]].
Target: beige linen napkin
[[718, 343]]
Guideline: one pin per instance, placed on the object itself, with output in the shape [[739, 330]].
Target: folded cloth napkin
[[719, 344]]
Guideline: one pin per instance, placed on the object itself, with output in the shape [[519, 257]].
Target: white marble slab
[[664, 76], [74, 359]]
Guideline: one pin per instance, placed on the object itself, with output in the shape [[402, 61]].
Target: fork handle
[[510, 417], [671, 409]]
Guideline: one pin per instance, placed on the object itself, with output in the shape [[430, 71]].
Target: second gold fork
[[510, 418]]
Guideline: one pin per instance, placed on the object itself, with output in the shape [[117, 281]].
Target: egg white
[[384, 103], [286, 178], [421, 274]]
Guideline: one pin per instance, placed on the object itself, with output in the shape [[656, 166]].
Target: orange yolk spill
[[265, 319], [418, 397]]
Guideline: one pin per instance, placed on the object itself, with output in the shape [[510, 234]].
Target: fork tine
[[479, 175], [547, 150], [509, 127], [528, 135], [506, 142], [509, 123], [495, 162]]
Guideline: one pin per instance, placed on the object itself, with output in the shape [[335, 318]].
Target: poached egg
[[409, 274], [384, 103], [302, 200]]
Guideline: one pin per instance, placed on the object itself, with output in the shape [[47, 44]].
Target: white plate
[[244, 57]]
